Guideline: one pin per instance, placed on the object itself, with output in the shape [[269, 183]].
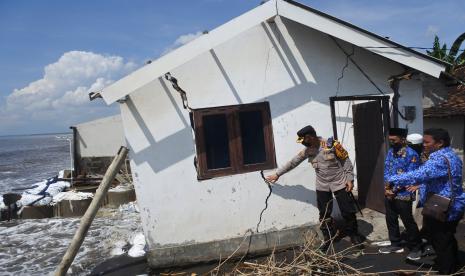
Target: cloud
[[431, 31], [61, 95], [181, 40]]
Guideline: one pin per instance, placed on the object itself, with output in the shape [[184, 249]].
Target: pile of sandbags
[[42, 193]]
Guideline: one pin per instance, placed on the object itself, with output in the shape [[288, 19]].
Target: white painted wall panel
[[134, 133], [100, 138], [409, 96]]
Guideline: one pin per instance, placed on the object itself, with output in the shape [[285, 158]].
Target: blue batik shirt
[[404, 160], [434, 178]]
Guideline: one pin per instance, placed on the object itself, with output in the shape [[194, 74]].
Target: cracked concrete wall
[[291, 66]]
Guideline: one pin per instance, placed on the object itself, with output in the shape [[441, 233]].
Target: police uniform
[[333, 170]]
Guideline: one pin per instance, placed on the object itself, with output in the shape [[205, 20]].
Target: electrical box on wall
[[410, 113]]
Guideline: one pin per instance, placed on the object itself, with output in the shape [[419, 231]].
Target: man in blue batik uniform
[[434, 178], [398, 202]]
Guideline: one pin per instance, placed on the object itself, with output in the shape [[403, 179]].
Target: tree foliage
[[452, 56]]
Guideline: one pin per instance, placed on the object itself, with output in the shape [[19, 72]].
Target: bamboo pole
[[89, 216]]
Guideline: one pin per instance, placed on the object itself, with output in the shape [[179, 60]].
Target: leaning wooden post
[[89, 216]]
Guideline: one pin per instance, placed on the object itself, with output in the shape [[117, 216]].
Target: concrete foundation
[[261, 243], [116, 198], [71, 208], [37, 212], [76, 208]]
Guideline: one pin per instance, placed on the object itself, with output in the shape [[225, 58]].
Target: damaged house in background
[[197, 157], [95, 146], [96, 143]]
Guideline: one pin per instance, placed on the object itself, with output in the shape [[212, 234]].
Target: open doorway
[[371, 126]]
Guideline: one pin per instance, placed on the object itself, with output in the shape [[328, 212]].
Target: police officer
[[400, 159], [441, 174], [334, 175]]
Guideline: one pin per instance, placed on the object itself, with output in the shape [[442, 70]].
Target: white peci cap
[[415, 138]]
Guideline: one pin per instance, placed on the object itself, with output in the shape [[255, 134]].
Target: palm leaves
[[455, 49], [440, 52]]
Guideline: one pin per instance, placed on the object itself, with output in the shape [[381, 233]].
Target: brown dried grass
[[308, 260]]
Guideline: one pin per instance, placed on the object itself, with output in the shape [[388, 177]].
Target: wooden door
[[370, 153]]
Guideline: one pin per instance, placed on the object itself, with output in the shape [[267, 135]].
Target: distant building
[[251, 84]]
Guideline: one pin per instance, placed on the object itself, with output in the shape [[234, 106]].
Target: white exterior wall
[[410, 96], [296, 72], [100, 138]]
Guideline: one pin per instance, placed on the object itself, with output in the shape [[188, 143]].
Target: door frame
[[383, 100]]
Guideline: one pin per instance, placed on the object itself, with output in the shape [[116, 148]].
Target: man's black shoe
[[357, 240], [428, 251]]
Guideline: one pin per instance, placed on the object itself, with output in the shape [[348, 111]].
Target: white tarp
[[43, 192]]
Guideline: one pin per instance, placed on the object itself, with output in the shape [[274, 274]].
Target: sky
[[54, 52]]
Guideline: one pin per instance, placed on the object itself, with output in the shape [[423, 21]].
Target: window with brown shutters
[[233, 139]]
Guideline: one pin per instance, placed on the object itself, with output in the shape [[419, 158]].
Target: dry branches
[[308, 260]]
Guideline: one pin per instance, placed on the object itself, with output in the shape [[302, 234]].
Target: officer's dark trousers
[[396, 208], [441, 236], [346, 206]]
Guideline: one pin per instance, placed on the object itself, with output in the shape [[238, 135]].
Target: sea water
[[27, 159], [35, 247]]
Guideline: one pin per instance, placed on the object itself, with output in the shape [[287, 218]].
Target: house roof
[[394, 44], [455, 103], [285, 8], [454, 106]]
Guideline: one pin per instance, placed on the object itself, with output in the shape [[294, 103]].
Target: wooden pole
[[89, 216]]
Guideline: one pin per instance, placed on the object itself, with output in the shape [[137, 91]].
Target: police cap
[[308, 130]]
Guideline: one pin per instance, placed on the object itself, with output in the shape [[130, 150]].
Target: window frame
[[237, 165]]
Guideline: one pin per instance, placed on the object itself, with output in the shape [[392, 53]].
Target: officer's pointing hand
[[272, 178]]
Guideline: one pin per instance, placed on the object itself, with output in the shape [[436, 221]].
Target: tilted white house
[[251, 84]]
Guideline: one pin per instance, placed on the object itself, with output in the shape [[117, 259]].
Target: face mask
[[417, 147], [307, 144], [395, 145], [312, 144]]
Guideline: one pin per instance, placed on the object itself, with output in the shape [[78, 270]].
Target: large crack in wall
[[266, 200]]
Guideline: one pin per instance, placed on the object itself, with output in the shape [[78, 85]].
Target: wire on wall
[[367, 77], [346, 65]]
